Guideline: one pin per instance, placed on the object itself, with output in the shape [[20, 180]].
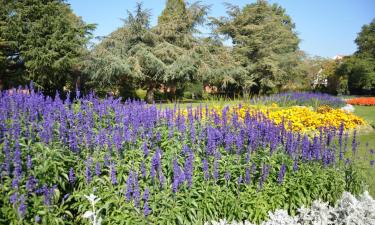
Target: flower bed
[[362, 101], [301, 99], [158, 166], [296, 118], [348, 210]]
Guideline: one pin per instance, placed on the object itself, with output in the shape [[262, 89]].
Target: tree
[[359, 69], [136, 56], [366, 41], [178, 22], [359, 73], [264, 42], [47, 48], [139, 56]]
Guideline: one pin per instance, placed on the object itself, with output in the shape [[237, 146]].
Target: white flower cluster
[[348, 211], [348, 108]]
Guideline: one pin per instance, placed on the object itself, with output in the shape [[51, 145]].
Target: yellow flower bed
[[301, 119], [305, 119]]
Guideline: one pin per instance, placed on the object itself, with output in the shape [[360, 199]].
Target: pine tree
[[178, 22], [136, 56], [45, 39], [265, 43]]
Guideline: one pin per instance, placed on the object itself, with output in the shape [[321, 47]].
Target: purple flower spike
[[146, 209], [71, 176], [22, 206], [113, 174], [189, 169], [227, 176], [129, 186], [205, 169], [282, 172], [97, 169]]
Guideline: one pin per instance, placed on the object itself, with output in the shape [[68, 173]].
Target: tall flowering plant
[[151, 164]]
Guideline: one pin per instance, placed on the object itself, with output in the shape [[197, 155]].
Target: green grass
[[368, 113]]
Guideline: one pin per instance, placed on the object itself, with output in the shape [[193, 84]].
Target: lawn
[[368, 113]]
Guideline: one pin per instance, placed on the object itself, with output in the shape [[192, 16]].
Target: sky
[[326, 27]]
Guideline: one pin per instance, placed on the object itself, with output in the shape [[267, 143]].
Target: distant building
[[338, 57]]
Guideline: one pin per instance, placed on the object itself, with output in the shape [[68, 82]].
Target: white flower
[[348, 210], [348, 108]]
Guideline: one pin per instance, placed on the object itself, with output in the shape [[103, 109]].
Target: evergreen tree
[[178, 22], [265, 43], [136, 55], [359, 69], [366, 41], [44, 39]]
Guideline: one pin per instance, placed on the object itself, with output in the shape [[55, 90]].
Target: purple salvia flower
[[7, 156], [205, 169], [295, 164], [29, 163], [158, 137], [97, 169], [22, 206], [189, 169], [31, 183], [145, 149], [106, 160], [265, 171], [354, 142], [71, 176], [216, 170], [13, 198], [113, 174], [155, 163], [136, 193], [185, 150], [88, 171], [66, 196], [247, 175], [239, 181], [48, 194], [282, 172], [341, 132], [17, 172], [15, 182], [129, 186], [227, 176], [143, 170], [162, 178], [176, 176], [305, 148], [146, 209]]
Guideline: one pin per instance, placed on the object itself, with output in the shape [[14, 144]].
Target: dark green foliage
[[360, 74], [366, 40], [178, 22], [143, 57], [359, 69], [44, 43], [203, 202], [265, 43]]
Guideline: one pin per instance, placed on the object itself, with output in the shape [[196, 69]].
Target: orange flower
[[361, 101]]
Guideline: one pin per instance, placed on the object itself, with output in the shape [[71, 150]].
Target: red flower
[[362, 101]]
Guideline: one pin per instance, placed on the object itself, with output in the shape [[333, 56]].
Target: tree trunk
[[150, 95]]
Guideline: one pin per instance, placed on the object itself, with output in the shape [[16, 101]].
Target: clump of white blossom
[[348, 108], [93, 215], [348, 210]]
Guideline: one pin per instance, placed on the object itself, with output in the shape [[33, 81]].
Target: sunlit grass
[[367, 142]]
